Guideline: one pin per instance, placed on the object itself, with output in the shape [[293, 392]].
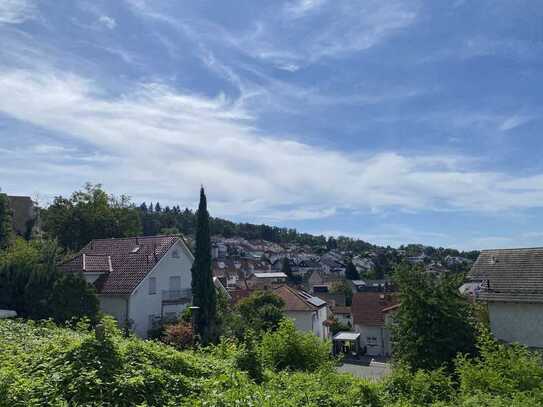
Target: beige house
[[511, 285]]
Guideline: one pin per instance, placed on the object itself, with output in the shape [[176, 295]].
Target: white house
[[371, 318], [510, 282], [309, 313], [139, 280]]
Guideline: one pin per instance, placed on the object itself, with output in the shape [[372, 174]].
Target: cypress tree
[[351, 273], [6, 230], [203, 289]]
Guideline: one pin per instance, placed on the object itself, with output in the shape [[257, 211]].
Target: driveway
[[371, 370]]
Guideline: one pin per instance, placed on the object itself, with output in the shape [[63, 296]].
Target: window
[[175, 254], [152, 285], [371, 341]]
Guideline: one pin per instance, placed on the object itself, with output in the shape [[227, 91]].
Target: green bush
[[290, 349]]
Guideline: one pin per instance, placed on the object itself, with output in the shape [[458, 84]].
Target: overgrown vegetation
[[434, 322], [42, 364], [32, 285]]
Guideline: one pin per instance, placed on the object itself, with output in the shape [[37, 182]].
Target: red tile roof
[[297, 300], [369, 308], [123, 265]]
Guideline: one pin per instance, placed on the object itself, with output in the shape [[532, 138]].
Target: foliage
[[500, 370], [6, 230], [203, 289], [434, 322], [178, 335], [290, 349], [41, 364], [344, 287], [338, 326], [31, 284], [262, 311], [90, 214], [418, 388], [351, 273]]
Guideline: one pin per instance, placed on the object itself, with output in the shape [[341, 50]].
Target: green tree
[[434, 322], [90, 214], [203, 289], [6, 230], [31, 284], [351, 273], [261, 311]]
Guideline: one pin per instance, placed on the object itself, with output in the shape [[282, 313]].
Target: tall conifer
[[203, 289]]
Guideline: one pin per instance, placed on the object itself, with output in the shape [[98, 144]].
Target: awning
[[346, 336]]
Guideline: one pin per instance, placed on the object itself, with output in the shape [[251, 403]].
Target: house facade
[[372, 314], [310, 313], [511, 285], [139, 280]]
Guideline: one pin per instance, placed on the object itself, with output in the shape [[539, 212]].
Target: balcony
[[177, 296]]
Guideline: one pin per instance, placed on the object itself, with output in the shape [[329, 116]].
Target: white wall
[[302, 319], [517, 322], [114, 306], [377, 349], [142, 304], [319, 329], [311, 321]]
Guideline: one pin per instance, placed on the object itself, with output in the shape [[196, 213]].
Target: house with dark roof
[[372, 313], [309, 313], [139, 280], [510, 283]]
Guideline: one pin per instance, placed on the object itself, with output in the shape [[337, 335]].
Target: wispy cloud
[[337, 29], [165, 140], [300, 8], [514, 121], [107, 22], [17, 11]]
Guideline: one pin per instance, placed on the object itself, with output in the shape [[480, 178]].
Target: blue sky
[[393, 121]]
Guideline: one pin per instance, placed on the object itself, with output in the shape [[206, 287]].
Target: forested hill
[[156, 219], [93, 213]]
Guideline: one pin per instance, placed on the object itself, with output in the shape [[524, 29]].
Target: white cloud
[[108, 22], [17, 11], [164, 143], [300, 8], [338, 28], [514, 121]]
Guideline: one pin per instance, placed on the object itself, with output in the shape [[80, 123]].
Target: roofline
[[160, 261], [514, 248], [134, 237]]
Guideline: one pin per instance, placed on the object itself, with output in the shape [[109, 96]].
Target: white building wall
[[114, 306], [302, 319], [311, 321], [517, 322], [319, 329], [144, 305], [374, 348]]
